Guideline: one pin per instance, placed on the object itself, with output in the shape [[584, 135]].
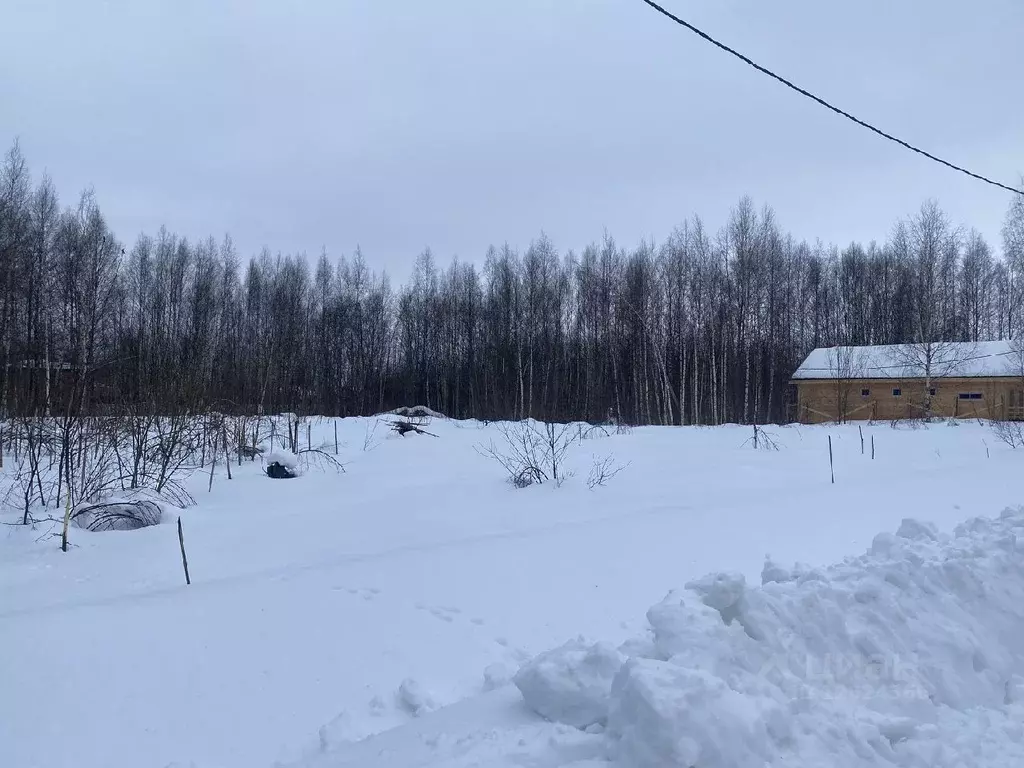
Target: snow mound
[[418, 412], [284, 458], [908, 655], [571, 684]]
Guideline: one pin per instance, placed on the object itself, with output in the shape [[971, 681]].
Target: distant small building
[[948, 379]]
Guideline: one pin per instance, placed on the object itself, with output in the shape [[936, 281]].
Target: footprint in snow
[[444, 613], [366, 594]]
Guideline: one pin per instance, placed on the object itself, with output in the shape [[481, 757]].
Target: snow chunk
[[884, 544], [663, 714], [917, 530], [772, 571], [571, 684], [414, 698], [496, 675]]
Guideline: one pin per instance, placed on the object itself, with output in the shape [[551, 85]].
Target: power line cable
[[821, 101]]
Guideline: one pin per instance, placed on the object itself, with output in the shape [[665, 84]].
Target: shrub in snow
[[908, 655], [602, 470], [118, 515], [533, 452], [1009, 432], [571, 684]]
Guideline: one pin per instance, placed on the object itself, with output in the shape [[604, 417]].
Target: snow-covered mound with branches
[[909, 655]]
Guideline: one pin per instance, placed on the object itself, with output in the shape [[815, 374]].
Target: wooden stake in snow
[[227, 454], [184, 559], [861, 430], [872, 447], [67, 522], [309, 437], [831, 466], [213, 465], [335, 441]]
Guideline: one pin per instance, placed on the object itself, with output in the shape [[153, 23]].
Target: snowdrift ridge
[[909, 655]]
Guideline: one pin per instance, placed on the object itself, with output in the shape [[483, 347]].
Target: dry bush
[[118, 515], [590, 431], [1010, 433], [762, 440], [532, 453], [602, 470]]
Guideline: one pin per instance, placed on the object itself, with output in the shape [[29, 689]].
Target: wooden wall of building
[[887, 399]]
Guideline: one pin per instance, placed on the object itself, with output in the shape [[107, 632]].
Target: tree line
[[703, 328]]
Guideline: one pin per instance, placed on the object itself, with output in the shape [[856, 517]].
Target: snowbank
[[909, 655]]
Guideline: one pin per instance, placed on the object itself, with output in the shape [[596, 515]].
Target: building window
[[970, 396], [896, 392], [931, 390], [865, 392]]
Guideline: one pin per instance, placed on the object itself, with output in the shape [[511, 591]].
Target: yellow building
[[948, 379]]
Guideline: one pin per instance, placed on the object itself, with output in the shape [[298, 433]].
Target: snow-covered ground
[[397, 601]]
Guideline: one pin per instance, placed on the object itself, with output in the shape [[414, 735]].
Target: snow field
[[336, 607]]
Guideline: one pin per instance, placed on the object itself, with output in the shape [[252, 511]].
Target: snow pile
[[418, 412], [286, 459], [571, 684], [909, 655]]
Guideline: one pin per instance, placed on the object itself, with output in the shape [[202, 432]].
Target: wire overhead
[[824, 103]]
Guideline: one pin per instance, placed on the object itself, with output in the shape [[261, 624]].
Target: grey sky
[[460, 123]]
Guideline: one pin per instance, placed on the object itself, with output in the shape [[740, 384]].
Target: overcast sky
[[461, 123]]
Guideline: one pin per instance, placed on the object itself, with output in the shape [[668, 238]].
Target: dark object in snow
[[405, 427], [118, 516], [279, 471]]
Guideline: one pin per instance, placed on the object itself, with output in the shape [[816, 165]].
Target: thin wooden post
[[213, 465], [67, 521], [227, 453], [309, 437], [872, 447], [831, 466], [861, 430], [335, 441], [184, 558]]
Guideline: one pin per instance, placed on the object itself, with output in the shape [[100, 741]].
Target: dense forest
[[703, 328]]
